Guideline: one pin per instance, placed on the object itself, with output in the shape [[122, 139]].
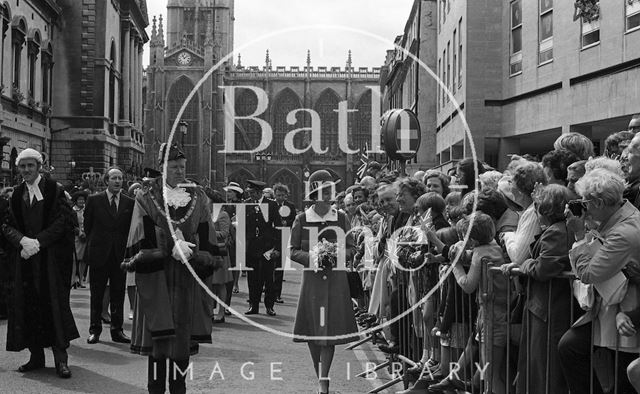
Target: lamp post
[[263, 158], [183, 128]]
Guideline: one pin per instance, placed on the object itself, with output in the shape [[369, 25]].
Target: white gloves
[[183, 246], [30, 247]]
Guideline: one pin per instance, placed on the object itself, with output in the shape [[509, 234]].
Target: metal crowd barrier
[[606, 378], [465, 309]]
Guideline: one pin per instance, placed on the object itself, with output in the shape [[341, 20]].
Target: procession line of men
[[39, 224]]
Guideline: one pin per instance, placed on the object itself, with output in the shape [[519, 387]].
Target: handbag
[[355, 284]]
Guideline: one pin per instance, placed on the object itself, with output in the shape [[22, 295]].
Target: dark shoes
[[252, 311], [217, 321], [32, 365], [93, 339], [279, 300], [271, 312], [119, 337], [62, 369]]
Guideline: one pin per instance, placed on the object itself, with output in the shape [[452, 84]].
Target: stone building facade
[[199, 33], [199, 36], [27, 57], [406, 84], [97, 115], [288, 89]]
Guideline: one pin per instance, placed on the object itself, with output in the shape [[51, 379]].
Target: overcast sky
[[329, 47]]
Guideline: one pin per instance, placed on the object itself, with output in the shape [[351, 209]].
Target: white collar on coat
[[312, 216]]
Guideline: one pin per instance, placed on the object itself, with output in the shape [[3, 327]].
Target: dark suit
[[107, 233], [260, 237], [282, 220]]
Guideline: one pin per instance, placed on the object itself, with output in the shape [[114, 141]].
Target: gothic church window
[[190, 141]]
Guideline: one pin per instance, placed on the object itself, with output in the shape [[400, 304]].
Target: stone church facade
[[199, 34]]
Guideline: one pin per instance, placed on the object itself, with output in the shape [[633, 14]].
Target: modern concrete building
[[96, 118], [524, 72], [27, 60]]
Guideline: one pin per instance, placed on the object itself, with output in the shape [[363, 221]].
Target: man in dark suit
[[39, 225], [285, 217], [107, 218], [261, 243]]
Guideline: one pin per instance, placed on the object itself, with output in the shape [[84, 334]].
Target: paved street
[[110, 368]]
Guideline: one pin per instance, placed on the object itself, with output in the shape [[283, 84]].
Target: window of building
[[33, 51], [448, 69], [633, 15], [5, 20], [546, 31], [439, 88], [460, 53], [444, 76], [590, 33], [515, 60], [443, 7], [18, 33], [454, 76]]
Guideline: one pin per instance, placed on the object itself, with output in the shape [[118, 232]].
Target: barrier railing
[[472, 350]]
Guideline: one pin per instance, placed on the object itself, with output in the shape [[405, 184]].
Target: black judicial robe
[[38, 308]]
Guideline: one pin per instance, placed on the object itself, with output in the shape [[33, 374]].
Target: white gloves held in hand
[[30, 247], [185, 247]]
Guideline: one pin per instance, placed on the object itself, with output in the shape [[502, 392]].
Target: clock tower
[[198, 33]]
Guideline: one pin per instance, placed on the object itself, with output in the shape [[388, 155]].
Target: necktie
[[114, 208]]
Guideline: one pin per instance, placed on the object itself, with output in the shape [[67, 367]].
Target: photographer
[[617, 242]]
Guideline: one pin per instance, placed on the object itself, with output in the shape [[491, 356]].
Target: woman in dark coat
[[324, 306], [543, 326]]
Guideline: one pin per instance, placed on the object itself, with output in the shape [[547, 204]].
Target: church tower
[[195, 36]]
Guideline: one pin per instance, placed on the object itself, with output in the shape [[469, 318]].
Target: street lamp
[[182, 128]]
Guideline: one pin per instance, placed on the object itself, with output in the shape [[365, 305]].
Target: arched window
[[247, 132], [112, 83], [362, 123], [46, 67], [241, 177], [18, 33], [5, 19], [285, 102], [190, 140], [33, 48], [326, 107], [288, 178]]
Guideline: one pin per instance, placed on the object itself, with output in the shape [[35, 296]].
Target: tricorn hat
[[175, 153]]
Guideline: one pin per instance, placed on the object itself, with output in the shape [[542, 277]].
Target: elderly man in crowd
[[39, 224], [598, 259]]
